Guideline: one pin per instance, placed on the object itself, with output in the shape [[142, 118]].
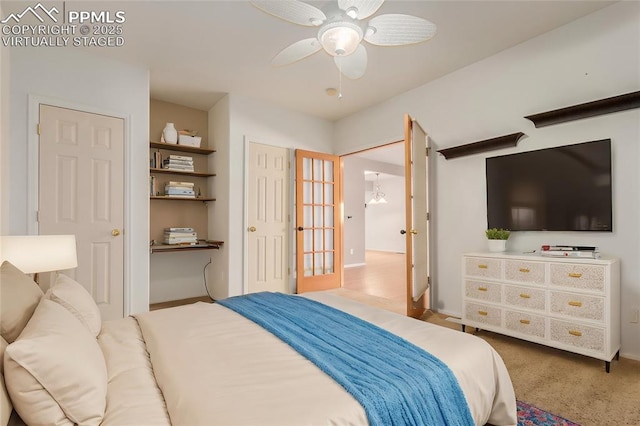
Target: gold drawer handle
[[575, 333], [483, 313], [524, 270], [482, 266], [525, 322], [482, 289], [574, 275], [524, 296], [577, 304]]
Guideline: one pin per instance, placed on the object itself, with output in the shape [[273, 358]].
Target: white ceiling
[[199, 51]]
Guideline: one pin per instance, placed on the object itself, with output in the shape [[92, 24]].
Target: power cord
[[204, 277]]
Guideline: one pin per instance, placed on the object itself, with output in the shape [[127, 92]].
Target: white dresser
[[571, 304]]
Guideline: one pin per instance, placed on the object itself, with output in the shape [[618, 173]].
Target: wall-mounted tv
[[565, 188]]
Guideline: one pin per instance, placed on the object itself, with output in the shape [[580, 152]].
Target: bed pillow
[[5, 402], [77, 300], [19, 296], [55, 371]]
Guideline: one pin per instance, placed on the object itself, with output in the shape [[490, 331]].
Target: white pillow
[[74, 297], [5, 402], [55, 371], [19, 296]]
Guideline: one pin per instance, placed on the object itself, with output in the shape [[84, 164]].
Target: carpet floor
[[569, 385]]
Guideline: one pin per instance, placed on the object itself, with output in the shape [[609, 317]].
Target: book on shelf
[[156, 160], [181, 184], [180, 157], [568, 248], [171, 190], [588, 254], [152, 185], [179, 229], [179, 168], [179, 196]]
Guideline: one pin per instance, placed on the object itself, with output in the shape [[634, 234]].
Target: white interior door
[[417, 235], [267, 210], [81, 192]]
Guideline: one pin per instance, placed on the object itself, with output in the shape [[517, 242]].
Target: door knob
[[300, 228], [413, 231], [402, 231], [115, 232], [252, 229]]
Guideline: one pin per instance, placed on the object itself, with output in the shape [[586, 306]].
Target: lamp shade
[[39, 253], [340, 38]]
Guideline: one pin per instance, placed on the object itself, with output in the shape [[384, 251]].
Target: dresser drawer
[[490, 292], [532, 325], [586, 277], [484, 314], [525, 297], [526, 272], [581, 336], [577, 305], [482, 267]]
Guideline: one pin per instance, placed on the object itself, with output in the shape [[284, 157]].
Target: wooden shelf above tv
[[482, 146], [586, 110]]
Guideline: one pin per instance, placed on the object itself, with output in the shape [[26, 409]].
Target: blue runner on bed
[[395, 381]]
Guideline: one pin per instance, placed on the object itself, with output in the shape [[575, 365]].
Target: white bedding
[[215, 367]]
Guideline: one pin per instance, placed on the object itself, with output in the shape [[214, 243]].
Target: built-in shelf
[[181, 148], [164, 197], [586, 110], [482, 146], [166, 248], [180, 172]]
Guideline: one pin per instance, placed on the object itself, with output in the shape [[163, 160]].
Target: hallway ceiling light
[[377, 196]]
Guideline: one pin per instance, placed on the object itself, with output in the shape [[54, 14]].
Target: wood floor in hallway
[[382, 276]]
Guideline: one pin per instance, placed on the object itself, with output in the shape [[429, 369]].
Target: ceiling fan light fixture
[[340, 38], [352, 12]]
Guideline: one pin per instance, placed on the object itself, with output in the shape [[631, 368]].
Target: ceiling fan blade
[[353, 66], [298, 50], [293, 11], [360, 9], [397, 29]]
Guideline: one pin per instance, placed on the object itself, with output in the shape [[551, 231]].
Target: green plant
[[497, 234]]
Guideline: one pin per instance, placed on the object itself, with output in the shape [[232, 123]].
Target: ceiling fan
[[342, 29]]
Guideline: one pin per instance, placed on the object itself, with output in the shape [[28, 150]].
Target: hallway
[[382, 276]]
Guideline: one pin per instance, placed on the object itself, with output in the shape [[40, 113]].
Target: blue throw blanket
[[395, 381]]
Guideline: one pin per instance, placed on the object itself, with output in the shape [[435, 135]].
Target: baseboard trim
[[627, 355]]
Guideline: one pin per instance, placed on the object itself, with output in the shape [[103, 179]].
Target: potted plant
[[497, 239]]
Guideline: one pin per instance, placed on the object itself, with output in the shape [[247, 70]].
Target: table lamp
[[33, 254]]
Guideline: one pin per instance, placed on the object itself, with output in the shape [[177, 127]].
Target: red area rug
[[528, 415]]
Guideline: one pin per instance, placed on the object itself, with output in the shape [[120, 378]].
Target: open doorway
[[374, 215]]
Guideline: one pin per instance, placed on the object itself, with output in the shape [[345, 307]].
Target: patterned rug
[[528, 415]]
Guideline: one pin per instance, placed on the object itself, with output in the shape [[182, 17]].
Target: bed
[[200, 364]]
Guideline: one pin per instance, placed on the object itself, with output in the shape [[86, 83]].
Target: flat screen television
[[565, 188]]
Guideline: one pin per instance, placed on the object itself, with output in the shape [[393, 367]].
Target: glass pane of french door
[[318, 221]]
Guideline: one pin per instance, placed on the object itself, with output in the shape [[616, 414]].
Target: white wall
[[355, 191], [78, 78], [4, 136], [263, 123], [383, 222], [595, 57]]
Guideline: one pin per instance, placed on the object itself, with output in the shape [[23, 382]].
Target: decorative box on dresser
[[566, 303]]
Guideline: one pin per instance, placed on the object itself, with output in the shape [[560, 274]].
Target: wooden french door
[[318, 221], [417, 229], [81, 192]]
